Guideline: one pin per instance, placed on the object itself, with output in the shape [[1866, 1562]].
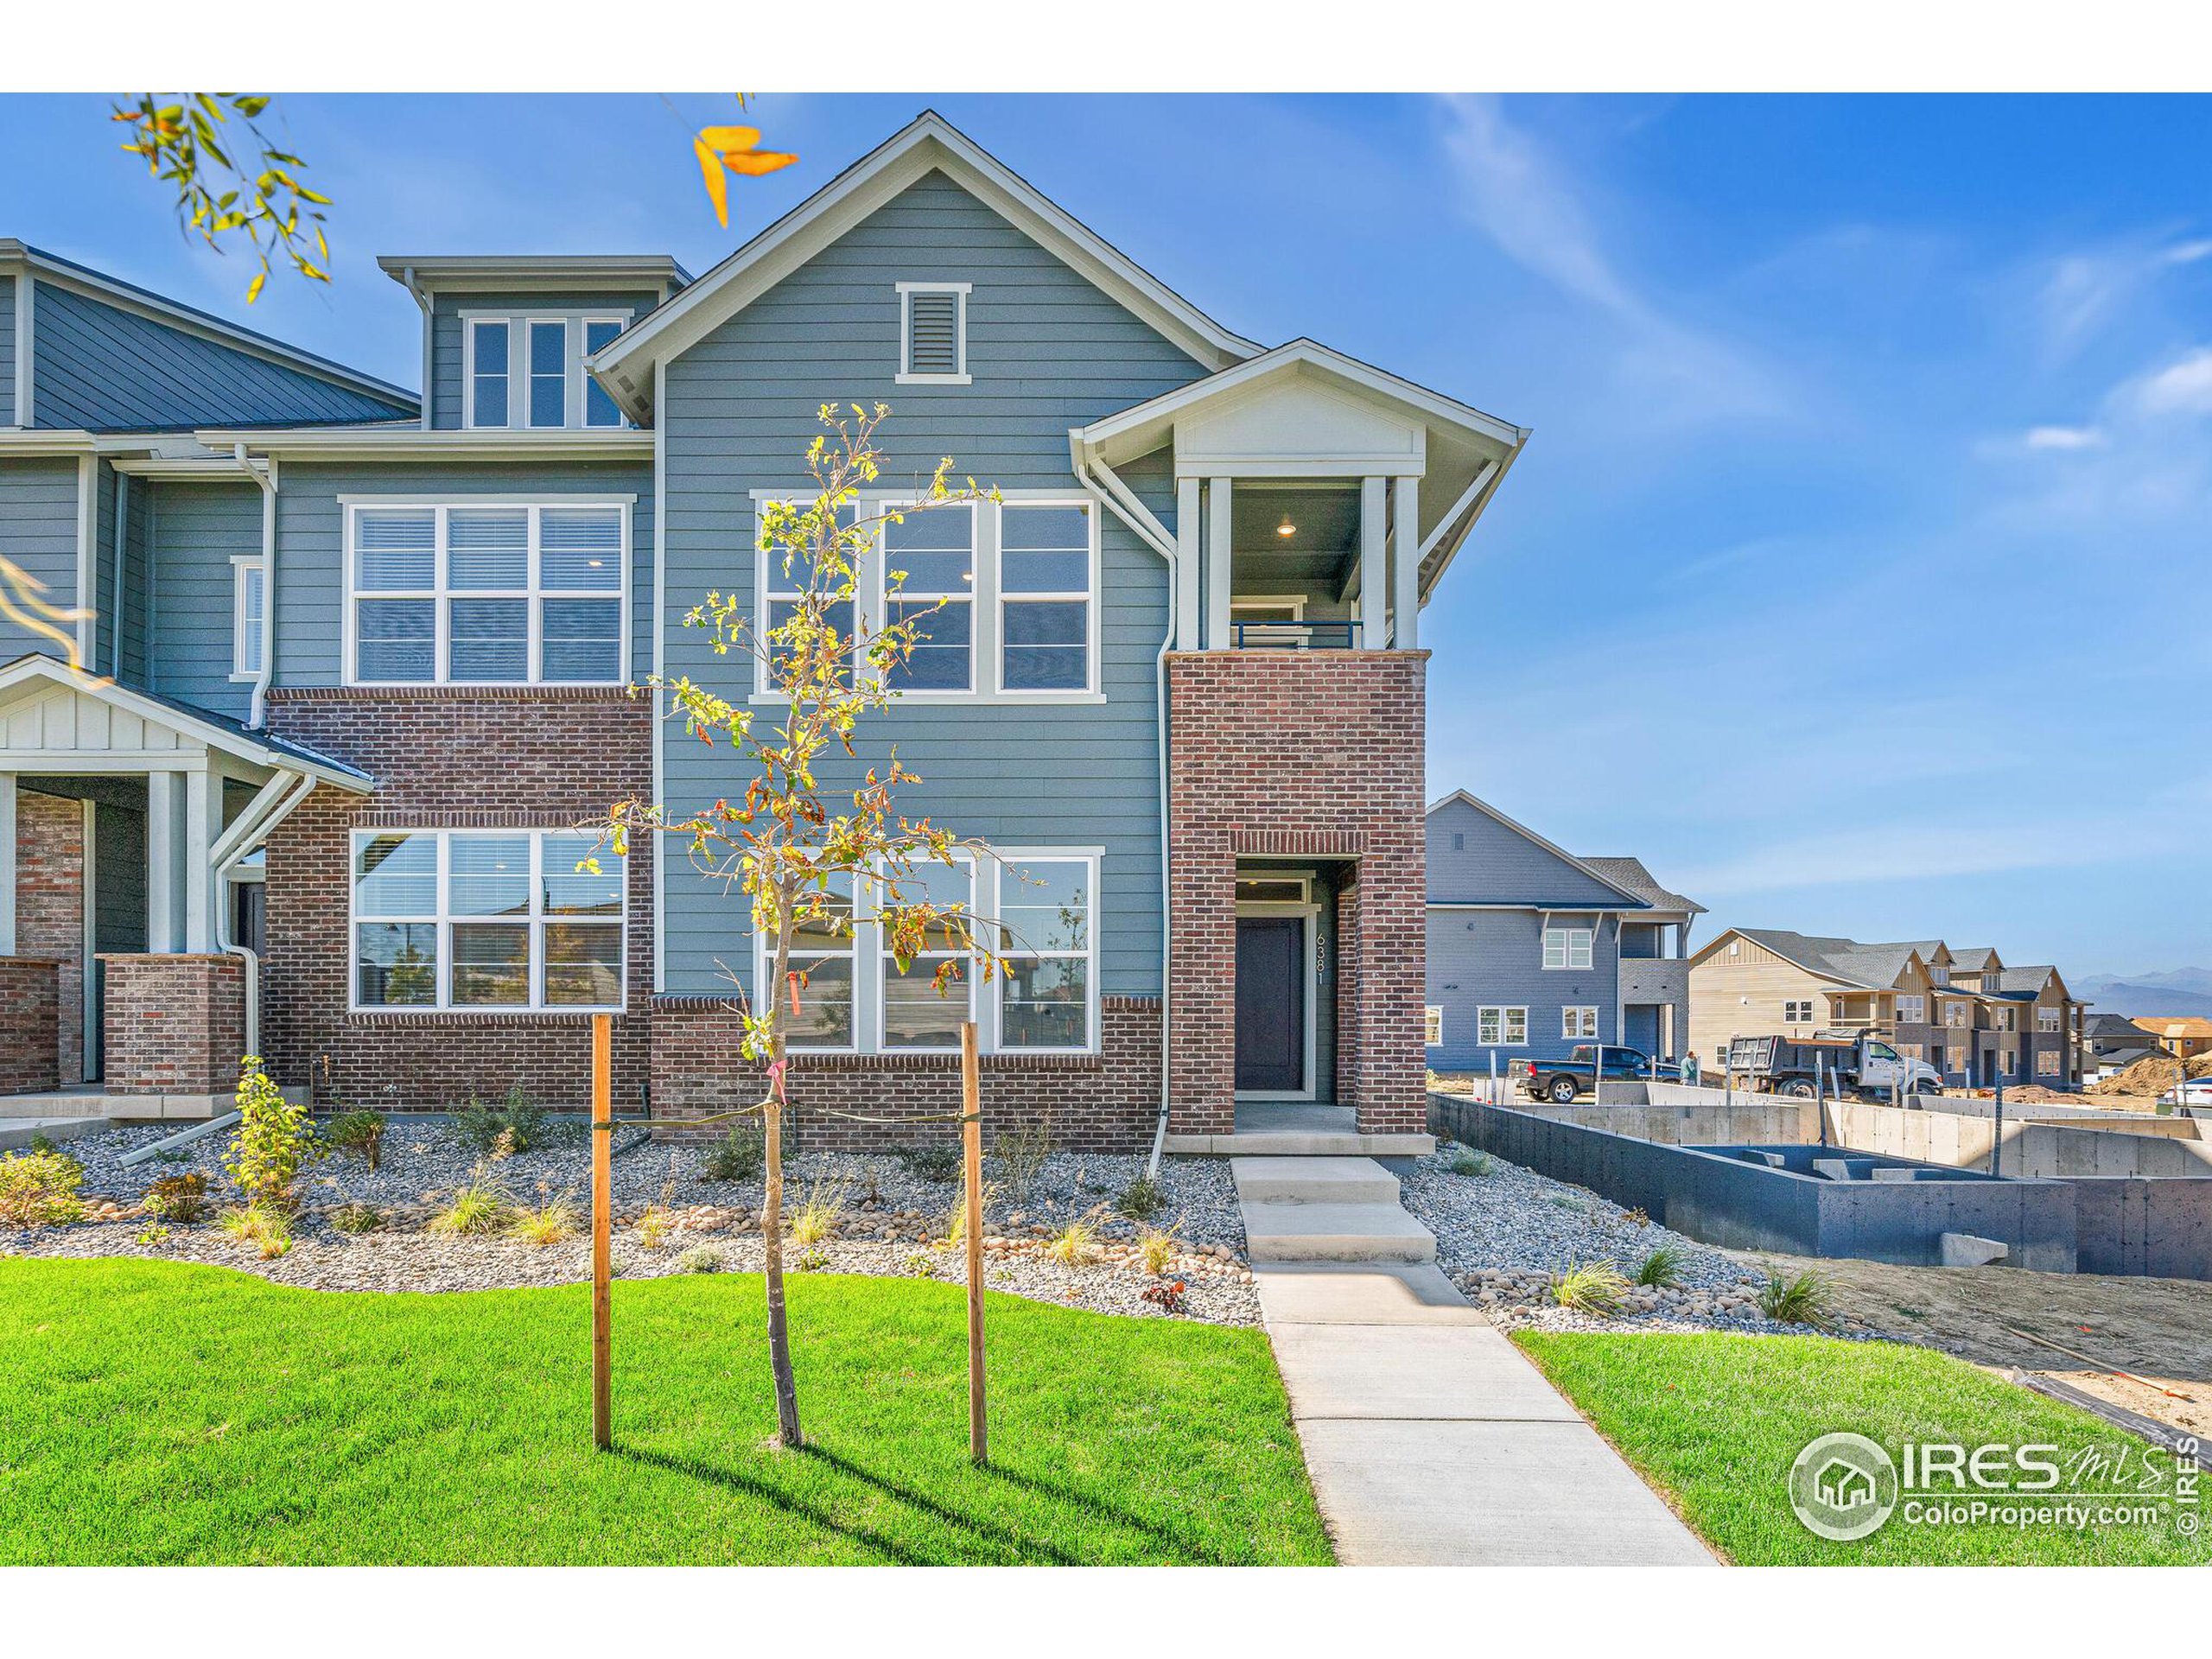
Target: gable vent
[[933, 331]]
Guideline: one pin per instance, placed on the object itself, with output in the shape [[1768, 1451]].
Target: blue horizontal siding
[[7, 351], [1489, 863], [445, 326], [38, 533], [1496, 958], [198, 530]]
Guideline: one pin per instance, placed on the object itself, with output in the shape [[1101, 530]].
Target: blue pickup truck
[[1560, 1081]]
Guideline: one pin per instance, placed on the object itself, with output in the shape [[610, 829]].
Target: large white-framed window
[[1047, 596], [930, 558], [484, 920], [1432, 1027], [823, 952], [1579, 1024], [2047, 1019], [1568, 947], [913, 1014], [1046, 914], [487, 591], [1954, 1016], [933, 334], [525, 369], [248, 574], [1912, 1010], [1502, 1027]]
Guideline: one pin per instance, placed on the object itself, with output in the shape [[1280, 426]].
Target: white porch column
[[1190, 514], [7, 863], [198, 934], [1374, 584], [1405, 563], [161, 861], [1218, 538]]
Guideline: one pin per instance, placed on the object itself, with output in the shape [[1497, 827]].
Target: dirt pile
[[2151, 1077]]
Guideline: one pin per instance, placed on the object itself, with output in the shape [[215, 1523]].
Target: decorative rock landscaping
[[892, 1216]]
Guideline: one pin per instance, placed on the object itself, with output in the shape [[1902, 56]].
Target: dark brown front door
[[1270, 1003]]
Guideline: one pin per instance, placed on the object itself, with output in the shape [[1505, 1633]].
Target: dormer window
[[933, 334], [527, 370]]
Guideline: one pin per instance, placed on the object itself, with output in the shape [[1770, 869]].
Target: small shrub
[[1141, 1199], [1803, 1300], [956, 1218], [1167, 1296], [741, 1156], [654, 1227], [1077, 1243], [1022, 1154], [1662, 1268], [273, 1142], [39, 1188], [1156, 1250], [262, 1224], [553, 1220], [818, 1213], [154, 1233], [360, 1132], [702, 1258], [1594, 1287], [356, 1218], [812, 1260], [916, 1264], [519, 1118], [42, 1142], [478, 1205], [178, 1197], [1465, 1162], [935, 1162]]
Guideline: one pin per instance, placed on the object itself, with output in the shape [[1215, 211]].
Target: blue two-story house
[[351, 663], [1532, 949]]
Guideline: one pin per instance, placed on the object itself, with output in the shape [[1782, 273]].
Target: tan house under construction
[[1964, 1012]]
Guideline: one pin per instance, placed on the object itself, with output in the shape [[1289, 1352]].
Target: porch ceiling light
[[1286, 528]]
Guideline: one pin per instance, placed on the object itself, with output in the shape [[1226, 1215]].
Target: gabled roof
[[930, 143], [1974, 958], [2031, 978], [1633, 899], [504, 272], [1845, 962], [112, 290], [1630, 873]]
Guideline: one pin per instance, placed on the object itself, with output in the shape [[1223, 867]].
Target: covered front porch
[[130, 826]]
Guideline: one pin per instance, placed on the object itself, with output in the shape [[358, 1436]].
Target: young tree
[[807, 855]]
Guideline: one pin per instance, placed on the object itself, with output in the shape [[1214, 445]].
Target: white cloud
[[2183, 387], [2188, 253], [2065, 437]]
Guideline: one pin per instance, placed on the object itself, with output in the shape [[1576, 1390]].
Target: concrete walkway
[[1430, 1440]]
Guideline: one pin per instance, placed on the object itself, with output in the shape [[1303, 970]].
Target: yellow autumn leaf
[[754, 163], [710, 169], [728, 138]]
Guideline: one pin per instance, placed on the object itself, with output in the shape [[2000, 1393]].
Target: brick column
[[174, 1025], [50, 910], [30, 1011], [1299, 755]]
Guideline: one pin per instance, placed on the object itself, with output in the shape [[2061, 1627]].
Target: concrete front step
[[1295, 1143], [1313, 1181], [1334, 1232]]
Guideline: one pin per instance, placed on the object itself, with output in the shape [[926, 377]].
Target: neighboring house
[[1975, 1020], [1532, 949], [363, 663], [2112, 1042], [2183, 1036]]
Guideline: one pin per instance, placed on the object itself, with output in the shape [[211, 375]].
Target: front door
[[1270, 1004]]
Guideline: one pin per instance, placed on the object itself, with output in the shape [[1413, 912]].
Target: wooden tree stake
[[603, 1220], [971, 1146]]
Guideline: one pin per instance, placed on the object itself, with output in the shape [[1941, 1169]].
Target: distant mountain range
[[2176, 991]]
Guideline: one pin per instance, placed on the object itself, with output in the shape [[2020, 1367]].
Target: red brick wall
[[1312, 755], [50, 910], [28, 1009], [496, 758], [1105, 1102], [173, 1024]]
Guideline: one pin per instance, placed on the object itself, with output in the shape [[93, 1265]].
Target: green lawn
[[1715, 1422], [153, 1411]]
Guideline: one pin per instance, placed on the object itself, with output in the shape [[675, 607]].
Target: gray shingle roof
[[1630, 873], [1877, 965]]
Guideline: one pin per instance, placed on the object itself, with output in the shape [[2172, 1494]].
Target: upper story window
[[2046, 1019], [934, 552], [527, 369], [933, 334], [486, 593], [1912, 1010], [1568, 947], [247, 615]]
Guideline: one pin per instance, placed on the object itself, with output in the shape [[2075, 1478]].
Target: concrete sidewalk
[[1431, 1441]]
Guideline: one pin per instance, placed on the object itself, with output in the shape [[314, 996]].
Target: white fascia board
[[441, 273], [412, 443], [928, 144]]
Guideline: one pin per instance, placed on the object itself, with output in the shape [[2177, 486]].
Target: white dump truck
[[1831, 1062]]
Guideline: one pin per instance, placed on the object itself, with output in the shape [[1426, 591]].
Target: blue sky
[[1856, 577]]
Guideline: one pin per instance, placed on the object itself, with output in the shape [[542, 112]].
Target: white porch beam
[[1190, 515], [1219, 540], [7, 863], [1374, 586], [161, 861], [1405, 563], [198, 934]]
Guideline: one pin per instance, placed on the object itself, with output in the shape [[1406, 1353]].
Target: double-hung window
[[913, 1014], [1568, 947], [2047, 1019], [488, 344], [527, 370], [471, 920], [823, 950], [486, 595], [1502, 1027], [1045, 913], [549, 370], [1432, 1027], [1579, 1023], [247, 593], [929, 565], [1045, 598], [1912, 1010], [2047, 1063], [1796, 1013]]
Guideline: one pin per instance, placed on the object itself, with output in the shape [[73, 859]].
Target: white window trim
[[862, 933], [443, 919], [576, 401], [352, 505], [1432, 1018], [1501, 1010], [1912, 1010], [1090, 595], [1003, 876], [1567, 964], [1574, 1029], [906, 291], [986, 685], [242, 612]]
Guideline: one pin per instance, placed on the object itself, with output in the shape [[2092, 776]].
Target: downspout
[[1166, 551], [262, 814], [266, 476], [429, 335]]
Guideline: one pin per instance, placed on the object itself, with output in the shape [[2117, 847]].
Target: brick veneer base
[[50, 910], [1105, 1102], [172, 1025], [29, 1012], [1299, 755]]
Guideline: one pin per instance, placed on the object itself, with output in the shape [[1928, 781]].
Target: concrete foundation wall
[[2159, 1229]]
